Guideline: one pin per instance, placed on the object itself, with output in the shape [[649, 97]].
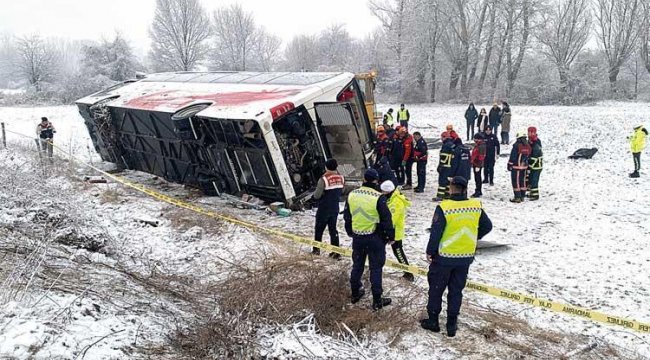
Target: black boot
[[356, 297], [335, 256], [379, 303], [431, 323], [408, 276], [315, 251], [452, 325], [634, 174]]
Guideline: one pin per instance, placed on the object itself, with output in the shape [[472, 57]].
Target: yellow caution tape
[[482, 288]]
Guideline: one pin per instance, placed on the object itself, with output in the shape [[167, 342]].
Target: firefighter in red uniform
[[382, 145], [517, 165], [328, 193], [407, 160]]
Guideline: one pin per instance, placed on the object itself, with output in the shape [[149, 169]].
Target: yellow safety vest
[[401, 115], [362, 203], [637, 141], [389, 119], [398, 204], [461, 232]]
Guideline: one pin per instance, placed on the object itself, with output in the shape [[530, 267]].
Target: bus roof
[[235, 95]]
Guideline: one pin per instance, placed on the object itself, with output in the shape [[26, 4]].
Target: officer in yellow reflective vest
[[457, 225], [368, 222], [388, 119], [403, 116]]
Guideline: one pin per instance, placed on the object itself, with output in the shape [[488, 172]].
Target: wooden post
[[4, 136]]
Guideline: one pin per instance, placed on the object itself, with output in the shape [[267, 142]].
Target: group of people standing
[[498, 116]]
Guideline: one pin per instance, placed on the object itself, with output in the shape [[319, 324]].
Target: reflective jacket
[[637, 140], [460, 236], [446, 155], [388, 120], [403, 115], [328, 193], [363, 208], [398, 205], [535, 161]]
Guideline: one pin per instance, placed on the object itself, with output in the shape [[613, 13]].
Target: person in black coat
[[493, 149], [482, 122], [421, 156], [460, 163], [495, 118], [328, 194], [397, 157], [470, 117], [385, 171], [444, 168]]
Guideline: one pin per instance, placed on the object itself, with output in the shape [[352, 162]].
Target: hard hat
[[380, 128]]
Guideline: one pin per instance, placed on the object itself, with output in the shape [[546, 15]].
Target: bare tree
[[393, 16], [565, 34], [515, 48], [335, 48], [266, 50], [178, 33], [618, 30], [235, 36], [430, 34], [645, 36], [301, 53], [36, 60]]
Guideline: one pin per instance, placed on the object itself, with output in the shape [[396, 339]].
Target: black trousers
[[372, 248], [443, 277], [533, 183], [488, 171], [400, 174], [404, 123], [470, 126], [409, 172], [478, 181], [399, 253], [505, 137], [422, 174], [328, 222], [637, 161]]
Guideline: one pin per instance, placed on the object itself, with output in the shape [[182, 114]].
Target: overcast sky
[[92, 19]]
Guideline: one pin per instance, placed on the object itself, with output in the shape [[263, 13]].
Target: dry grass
[[109, 196]]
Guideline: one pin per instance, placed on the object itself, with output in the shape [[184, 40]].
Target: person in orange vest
[[328, 193]]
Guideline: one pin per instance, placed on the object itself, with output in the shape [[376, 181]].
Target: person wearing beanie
[[328, 194], [403, 116], [517, 165], [535, 164], [45, 132], [458, 224], [477, 158], [637, 144], [398, 205], [369, 223]]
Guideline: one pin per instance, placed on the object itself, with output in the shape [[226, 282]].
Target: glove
[[509, 167], [403, 163]]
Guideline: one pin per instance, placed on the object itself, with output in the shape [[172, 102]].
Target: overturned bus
[[263, 134]]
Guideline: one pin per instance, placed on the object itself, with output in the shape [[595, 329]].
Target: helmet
[[521, 134], [450, 127], [380, 128]]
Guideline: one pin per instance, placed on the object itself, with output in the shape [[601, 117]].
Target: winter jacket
[[328, 193], [495, 116], [535, 161], [460, 163], [421, 151], [482, 121], [505, 121], [382, 145], [446, 156], [519, 155], [478, 155], [449, 134], [45, 131], [385, 172], [471, 114], [398, 205], [637, 140], [396, 151], [403, 115], [492, 148], [408, 148]]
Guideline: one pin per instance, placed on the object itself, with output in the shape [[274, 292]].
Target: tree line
[[534, 51]]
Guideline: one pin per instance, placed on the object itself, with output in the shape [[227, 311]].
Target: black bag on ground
[[584, 153]]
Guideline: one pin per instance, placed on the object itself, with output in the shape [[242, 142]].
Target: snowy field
[[583, 243]]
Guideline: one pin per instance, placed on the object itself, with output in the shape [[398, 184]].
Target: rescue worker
[[517, 165], [444, 168], [492, 150], [398, 205], [478, 159], [45, 132], [328, 193], [369, 223], [407, 160], [535, 163], [449, 133], [382, 143], [421, 156], [385, 171], [403, 116], [389, 121], [458, 223], [460, 163], [470, 118], [494, 118], [637, 144], [397, 152]]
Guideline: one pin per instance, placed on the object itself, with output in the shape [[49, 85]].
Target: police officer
[[403, 116], [328, 193], [444, 167], [388, 118], [535, 163], [517, 165], [45, 132], [457, 225], [369, 223], [421, 155]]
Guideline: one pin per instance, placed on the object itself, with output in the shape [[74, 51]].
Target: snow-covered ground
[[583, 243]]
